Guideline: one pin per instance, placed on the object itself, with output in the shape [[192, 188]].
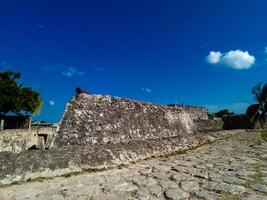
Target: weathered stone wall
[[18, 140], [99, 132], [203, 125], [47, 132], [30, 165], [94, 119]]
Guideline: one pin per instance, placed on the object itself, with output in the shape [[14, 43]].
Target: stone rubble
[[234, 168]]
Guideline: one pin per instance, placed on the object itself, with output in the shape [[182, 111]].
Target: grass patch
[[247, 184], [231, 197], [259, 142], [256, 178], [264, 135]]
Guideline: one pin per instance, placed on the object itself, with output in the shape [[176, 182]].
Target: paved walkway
[[232, 169]]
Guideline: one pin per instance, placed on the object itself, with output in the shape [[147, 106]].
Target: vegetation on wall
[[16, 98]]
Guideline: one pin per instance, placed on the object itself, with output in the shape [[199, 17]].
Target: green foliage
[[257, 177], [221, 113], [211, 115], [10, 92], [224, 113], [31, 101], [264, 135], [258, 110], [227, 196], [15, 98]]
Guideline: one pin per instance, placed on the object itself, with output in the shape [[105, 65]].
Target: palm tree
[[258, 111]]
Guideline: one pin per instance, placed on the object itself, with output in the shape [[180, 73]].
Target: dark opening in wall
[[16, 121]]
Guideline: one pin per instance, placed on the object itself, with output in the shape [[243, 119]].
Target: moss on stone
[[264, 135], [227, 196]]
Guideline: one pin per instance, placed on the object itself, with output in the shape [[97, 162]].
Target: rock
[[183, 169], [92, 113], [178, 177], [207, 195], [190, 186], [155, 190], [260, 187], [264, 157], [143, 181], [165, 184], [202, 174], [125, 186], [161, 168], [142, 194], [111, 196], [176, 194], [185, 163], [160, 175], [224, 187], [140, 181], [254, 197]]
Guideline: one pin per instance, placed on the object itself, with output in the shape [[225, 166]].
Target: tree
[[224, 113], [30, 100], [15, 98], [211, 115], [258, 110]]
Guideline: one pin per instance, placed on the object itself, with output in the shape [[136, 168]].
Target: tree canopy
[[16, 98], [221, 113], [259, 109]]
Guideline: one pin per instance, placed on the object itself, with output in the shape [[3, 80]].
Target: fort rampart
[[100, 132]]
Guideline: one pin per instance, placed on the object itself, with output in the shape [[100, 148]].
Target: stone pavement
[[230, 169]]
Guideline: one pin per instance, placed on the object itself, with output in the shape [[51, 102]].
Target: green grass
[[264, 135], [259, 142], [247, 184], [231, 197], [256, 178]]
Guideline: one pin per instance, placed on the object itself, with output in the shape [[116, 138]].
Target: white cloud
[[214, 57], [52, 103], [148, 90], [70, 72], [236, 59]]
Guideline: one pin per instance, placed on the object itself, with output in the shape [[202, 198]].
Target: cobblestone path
[[230, 169]]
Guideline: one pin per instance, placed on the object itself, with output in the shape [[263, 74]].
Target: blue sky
[[206, 52]]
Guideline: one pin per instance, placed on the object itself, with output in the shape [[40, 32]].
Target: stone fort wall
[[100, 119], [99, 132], [19, 140]]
